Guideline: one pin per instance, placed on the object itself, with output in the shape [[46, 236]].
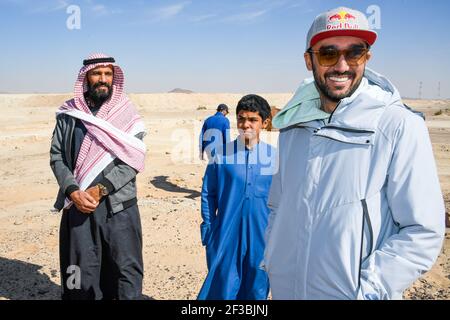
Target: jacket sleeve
[[273, 201], [58, 162], [275, 191], [209, 203], [121, 173], [415, 200]]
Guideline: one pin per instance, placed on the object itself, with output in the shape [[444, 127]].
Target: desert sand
[[168, 193]]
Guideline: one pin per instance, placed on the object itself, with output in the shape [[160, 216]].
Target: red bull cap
[[340, 22]]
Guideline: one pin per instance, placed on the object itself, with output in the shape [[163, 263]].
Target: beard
[[99, 96], [328, 92]]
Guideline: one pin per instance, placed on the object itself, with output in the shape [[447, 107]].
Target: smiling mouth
[[340, 79]]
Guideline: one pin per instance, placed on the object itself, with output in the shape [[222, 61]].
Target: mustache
[[99, 84], [337, 74]]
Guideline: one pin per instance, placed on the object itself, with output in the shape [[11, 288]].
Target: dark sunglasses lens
[[328, 57], [355, 56]]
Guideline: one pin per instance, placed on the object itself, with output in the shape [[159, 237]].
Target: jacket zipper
[[366, 217], [348, 130], [331, 115]]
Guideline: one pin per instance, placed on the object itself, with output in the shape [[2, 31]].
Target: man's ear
[[308, 61], [266, 123], [368, 56]]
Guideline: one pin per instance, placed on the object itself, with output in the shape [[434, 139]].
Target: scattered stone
[[43, 291]]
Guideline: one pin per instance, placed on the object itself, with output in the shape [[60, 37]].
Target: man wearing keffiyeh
[[96, 152]]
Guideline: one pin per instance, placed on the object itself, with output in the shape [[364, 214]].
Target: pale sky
[[212, 46]]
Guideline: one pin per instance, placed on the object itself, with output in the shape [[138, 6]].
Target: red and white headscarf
[[111, 133]]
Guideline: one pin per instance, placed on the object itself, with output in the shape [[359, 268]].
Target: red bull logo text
[[341, 20]]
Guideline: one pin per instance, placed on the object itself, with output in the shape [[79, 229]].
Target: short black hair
[[222, 107], [254, 103]]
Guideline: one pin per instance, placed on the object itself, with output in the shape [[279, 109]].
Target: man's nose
[[103, 77], [341, 65]]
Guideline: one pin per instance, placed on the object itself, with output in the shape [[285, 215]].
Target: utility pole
[[439, 90], [420, 90]]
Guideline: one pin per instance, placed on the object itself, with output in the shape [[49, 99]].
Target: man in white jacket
[[356, 207]]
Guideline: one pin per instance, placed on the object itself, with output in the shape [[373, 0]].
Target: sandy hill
[[178, 90]]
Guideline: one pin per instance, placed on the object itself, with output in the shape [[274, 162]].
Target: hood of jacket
[[360, 111]]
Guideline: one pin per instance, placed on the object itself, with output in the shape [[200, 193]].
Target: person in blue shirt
[[215, 132], [234, 209]]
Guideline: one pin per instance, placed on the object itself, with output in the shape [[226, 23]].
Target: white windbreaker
[[356, 207]]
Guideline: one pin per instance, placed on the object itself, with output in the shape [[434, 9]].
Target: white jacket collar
[[361, 111]]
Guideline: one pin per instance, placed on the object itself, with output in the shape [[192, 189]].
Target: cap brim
[[367, 35]]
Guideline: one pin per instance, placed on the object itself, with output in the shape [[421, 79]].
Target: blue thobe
[[235, 213], [215, 134]]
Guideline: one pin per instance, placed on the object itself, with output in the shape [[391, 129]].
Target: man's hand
[[84, 201], [94, 192]]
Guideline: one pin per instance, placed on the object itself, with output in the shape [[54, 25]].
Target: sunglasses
[[328, 57]]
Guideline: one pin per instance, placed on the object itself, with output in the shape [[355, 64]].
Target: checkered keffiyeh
[[119, 112]]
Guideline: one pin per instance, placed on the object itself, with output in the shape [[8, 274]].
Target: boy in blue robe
[[234, 209]]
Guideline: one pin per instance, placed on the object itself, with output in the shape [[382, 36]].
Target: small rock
[[43, 290]]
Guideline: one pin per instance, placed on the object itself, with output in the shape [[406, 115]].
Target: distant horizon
[[213, 46], [243, 93]]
